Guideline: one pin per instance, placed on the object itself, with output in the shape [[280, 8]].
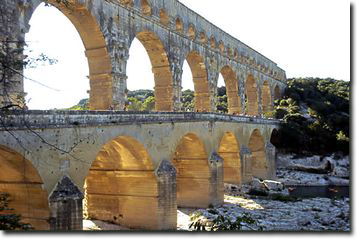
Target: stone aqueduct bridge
[[171, 33], [135, 169]]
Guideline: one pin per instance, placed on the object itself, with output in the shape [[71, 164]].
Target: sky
[[306, 38]]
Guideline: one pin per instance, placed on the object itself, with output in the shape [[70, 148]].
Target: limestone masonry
[[131, 168]]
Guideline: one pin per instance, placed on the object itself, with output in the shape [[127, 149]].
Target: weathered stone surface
[[66, 209], [171, 34]]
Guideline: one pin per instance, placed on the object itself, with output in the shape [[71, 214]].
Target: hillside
[[316, 116]]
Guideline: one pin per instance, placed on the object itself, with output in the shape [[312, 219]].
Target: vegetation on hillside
[[316, 116]]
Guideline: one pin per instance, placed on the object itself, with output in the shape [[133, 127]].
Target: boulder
[[274, 185]]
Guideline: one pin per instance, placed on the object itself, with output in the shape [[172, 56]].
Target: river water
[[319, 191]]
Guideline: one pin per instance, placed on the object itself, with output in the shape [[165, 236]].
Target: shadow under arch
[[192, 172], [230, 152], [259, 165], [100, 65], [266, 97], [122, 187], [232, 90], [164, 91], [252, 107], [200, 79], [20, 179]]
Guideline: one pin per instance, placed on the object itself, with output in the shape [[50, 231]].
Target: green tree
[[10, 221]]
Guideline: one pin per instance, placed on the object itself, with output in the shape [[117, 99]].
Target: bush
[[10, 221]]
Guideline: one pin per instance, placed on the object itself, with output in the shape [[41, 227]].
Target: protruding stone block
[[216, 194], [270, 159], [167, 211], [246, 158], [66, 210]]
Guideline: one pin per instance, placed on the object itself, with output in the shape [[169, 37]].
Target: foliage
[[222, 101], [316, 116], [10, 221], [222, 223]]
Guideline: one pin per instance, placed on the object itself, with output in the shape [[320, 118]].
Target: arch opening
[[203, 38], [230, 152], [213, 42], [162, 75], [200, 79], [188, 96], [222, 47], [164, 17], [192, 172], [121, 186], [277, 93], [259, 165], [99, 63], [232, 90], [252, 107], [266, 98], [179, 25], [192, 32], [21, 181], [146, 8]]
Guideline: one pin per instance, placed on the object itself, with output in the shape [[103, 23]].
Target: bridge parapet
[[18, 119]]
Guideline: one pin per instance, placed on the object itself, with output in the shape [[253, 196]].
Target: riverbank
[[313, 171]]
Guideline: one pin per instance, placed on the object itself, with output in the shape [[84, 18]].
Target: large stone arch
[[123, 186], [163, 78], [259, 163], [201, 84], [20, 179], [266, 97], [232, 90], [102, 95], [230, 152], [252, 107], [192, 172]]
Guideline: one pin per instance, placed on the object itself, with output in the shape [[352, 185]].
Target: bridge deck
[[62, 119]]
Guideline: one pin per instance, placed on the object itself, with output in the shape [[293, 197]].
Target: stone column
[[270, 151], [213, 77], [167, 206], [246, 164], [177, 71], [66, 209], [119, 53], [216, 193], [12, 41]]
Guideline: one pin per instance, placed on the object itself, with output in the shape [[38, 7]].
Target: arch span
[[229, 151], [99, 61], [266, 98], [192, 172], [232, 90], [20, 179], [252, 107], [259, 165], [122, 187], [164, 93], [201, 85]]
